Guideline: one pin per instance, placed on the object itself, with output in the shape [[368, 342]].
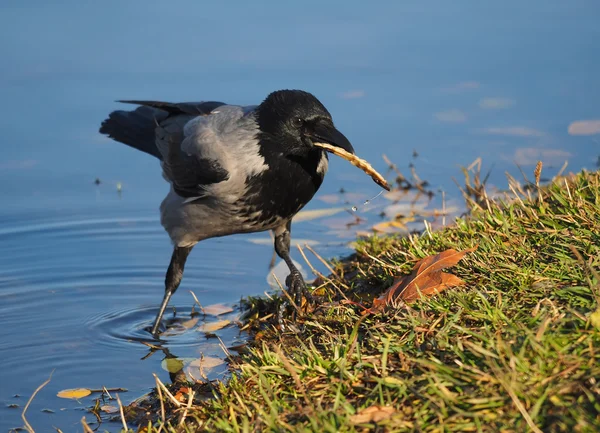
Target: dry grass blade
[[38, 389], [357, 162], [187, 407], [86, 427], [595, 288], [164, 388], [122, 413], [162, 403]]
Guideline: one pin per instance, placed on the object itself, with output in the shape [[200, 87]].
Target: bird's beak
[[323, 133]]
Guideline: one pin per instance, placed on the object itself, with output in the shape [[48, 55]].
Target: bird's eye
[[297, 122]]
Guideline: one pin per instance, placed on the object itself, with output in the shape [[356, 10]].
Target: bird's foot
[[297, 289]]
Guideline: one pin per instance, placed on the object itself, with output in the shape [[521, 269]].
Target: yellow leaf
[[74, 393], [172, 365], [214, 326]]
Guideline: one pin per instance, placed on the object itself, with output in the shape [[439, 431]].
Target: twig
[[520, 406], [197, 302], [122, 413], [105, 389], [224, 348], [86, 427], [38, 389], [312, 268], [318, 274], [162, 403], [562, 169], [188, 406], [285, 292], [443, 208], [568, 189], [107, 393], [164, 388], [329, 268]]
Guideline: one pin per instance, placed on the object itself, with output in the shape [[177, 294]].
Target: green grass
[[514, 350]]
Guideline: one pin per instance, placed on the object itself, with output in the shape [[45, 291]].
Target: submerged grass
[[514, 350]]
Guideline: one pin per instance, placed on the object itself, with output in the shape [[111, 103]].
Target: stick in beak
[[356, 161]]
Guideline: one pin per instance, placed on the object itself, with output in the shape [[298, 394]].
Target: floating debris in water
[[119, 187], [97, 181]]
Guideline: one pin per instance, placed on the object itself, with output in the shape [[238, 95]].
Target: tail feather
[[135, 128]]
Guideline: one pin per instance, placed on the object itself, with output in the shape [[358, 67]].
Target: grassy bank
[[515, 349]]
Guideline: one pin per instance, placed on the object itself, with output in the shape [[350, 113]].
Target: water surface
[[82, 265]]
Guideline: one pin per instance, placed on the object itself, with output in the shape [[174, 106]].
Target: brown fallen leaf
[[214, 326], [426, 279], [373, 413], [218, 309], [182, 394], [107, 408], [189, 324], [357, 162]]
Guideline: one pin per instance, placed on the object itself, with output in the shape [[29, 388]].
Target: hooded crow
[[232, 169]]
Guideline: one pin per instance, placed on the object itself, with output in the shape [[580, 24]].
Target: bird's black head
[[293, 120]]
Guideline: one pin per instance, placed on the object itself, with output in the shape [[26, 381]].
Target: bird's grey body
[[225, 138], [232, 169]]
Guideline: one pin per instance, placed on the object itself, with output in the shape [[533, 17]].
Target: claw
[[297, 288]]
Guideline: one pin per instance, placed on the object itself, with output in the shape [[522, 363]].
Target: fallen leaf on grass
[[74, 393], [182, 394], [373, 413], [426, 279]]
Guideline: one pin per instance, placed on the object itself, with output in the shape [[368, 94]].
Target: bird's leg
[[295, 283], [172, 280]]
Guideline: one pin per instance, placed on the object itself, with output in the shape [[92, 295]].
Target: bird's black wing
[[174, 108], [157, 128], [188, 173]]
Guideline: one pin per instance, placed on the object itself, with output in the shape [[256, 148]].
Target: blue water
[[82, 265]]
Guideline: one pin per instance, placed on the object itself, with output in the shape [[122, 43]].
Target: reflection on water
[[82, 264]]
